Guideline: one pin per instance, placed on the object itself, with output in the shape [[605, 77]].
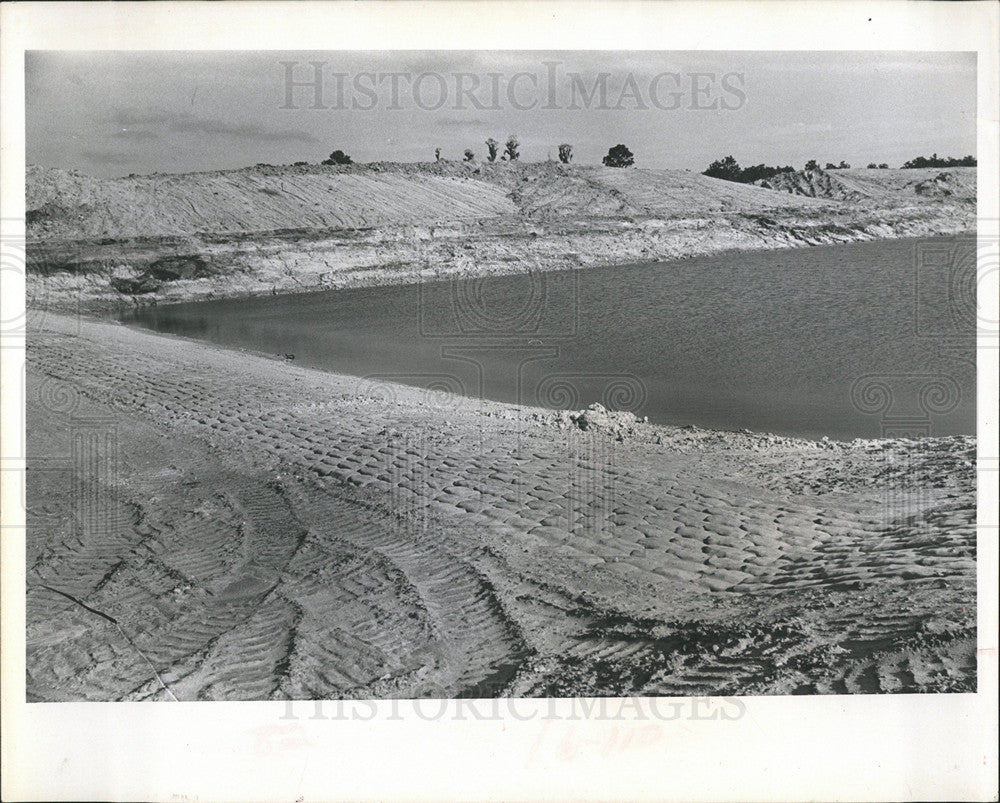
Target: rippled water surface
[[850, 340]]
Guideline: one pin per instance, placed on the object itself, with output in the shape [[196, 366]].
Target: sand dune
[[245, 529]]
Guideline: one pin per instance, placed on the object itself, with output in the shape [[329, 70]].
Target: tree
[[437, 154], [618, 156], [748, 175], [872, 166], [843, 165], [812, 164], [830, 166], [338, 158], [934, 161], [883, 166], [727, 169], [469, 155], [510, 148], [565, 153], [491, 146]]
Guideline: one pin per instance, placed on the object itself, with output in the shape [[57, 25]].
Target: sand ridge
[[112, 243]]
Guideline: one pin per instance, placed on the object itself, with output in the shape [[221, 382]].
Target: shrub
[[727, 169], [730, 170], [510, 148], [935, 161], [338, 158], [618, 156]]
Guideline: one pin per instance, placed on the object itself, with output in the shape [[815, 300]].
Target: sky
[[111, 113]]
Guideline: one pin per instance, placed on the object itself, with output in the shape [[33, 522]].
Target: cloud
[[184, 123], [189, 124]]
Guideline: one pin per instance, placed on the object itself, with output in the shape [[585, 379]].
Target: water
[[863, 339]]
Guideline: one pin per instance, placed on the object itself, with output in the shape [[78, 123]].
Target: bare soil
[[97, 244], [207, 524]]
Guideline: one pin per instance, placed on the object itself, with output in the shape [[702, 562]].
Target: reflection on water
[[851, 340]]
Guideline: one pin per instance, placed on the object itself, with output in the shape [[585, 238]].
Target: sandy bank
[[95, 243], [260, 530]]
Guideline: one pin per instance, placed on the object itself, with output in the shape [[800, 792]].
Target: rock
[[172, 268], [621, 424], [135, 285]]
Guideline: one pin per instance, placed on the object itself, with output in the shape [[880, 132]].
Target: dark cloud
[[184, 123]]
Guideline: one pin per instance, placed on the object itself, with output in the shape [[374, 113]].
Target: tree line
[[934, 161], [729, 169], [726, 168], [618, 156]]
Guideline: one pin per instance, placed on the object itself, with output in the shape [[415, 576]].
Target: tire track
[[372, 546]]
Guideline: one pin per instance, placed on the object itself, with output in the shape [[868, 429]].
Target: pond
[[862, 339]]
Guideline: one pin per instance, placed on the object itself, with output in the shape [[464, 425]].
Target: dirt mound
[[271, 229], [814, 184], [596, 418], [941, 186], [268, 198], [68, 205], [879, 186]]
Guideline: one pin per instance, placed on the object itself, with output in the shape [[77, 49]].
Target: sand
[[213, 524], [98, 244]]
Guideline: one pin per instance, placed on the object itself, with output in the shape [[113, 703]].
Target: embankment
[[97, 243]]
